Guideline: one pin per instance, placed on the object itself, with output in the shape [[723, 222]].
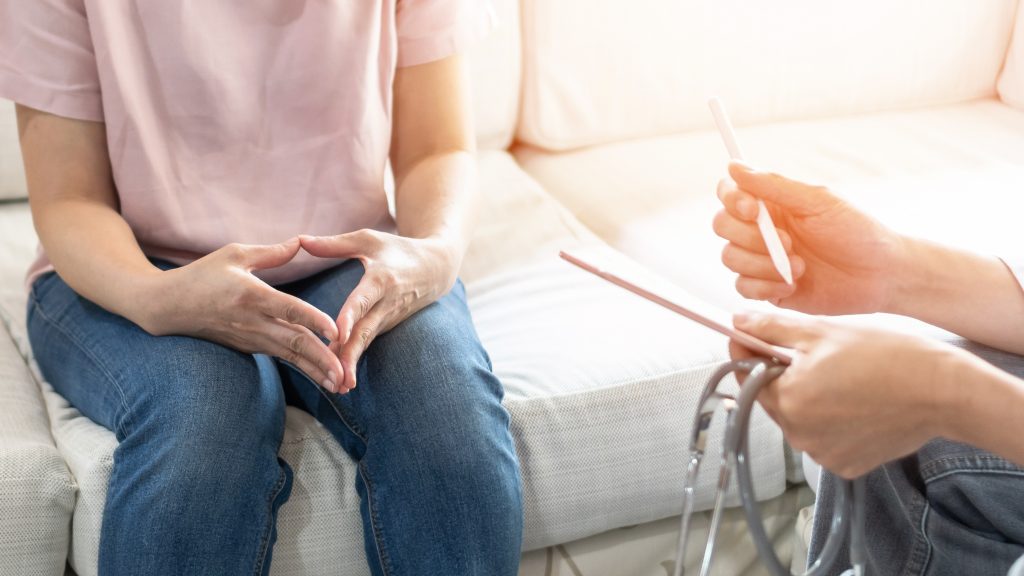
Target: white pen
[[764, 219]]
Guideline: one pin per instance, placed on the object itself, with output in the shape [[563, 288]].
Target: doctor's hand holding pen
[[854, 397]]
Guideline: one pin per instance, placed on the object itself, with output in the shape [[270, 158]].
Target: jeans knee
[[471, 458], [211, 397]]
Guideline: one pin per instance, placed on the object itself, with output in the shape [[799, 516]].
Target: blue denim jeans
[[197, 482], [947, 510]]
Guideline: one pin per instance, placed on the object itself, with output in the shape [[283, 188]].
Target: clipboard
[[636, 286]]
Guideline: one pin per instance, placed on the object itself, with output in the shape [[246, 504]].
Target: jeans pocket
[[987, 500], [975, 518]]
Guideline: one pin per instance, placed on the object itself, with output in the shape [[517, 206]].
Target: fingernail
[[743, 165], [328, 385], [331, 383]]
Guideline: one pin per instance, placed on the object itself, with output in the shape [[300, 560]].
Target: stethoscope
[[849, 503]]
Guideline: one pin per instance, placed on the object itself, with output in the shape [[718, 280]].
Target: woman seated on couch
[[902, 409], [207, 180]]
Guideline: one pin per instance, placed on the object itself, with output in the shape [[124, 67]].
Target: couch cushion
[[1011, 81], [518, 221], [950, 173], [495, 72], [37, 493], [597, 381], [12, 171], [597, 71]]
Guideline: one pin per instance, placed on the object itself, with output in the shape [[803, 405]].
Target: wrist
[[911, 275], [448, 253], [150, 306], [983, 406], [955, 393]]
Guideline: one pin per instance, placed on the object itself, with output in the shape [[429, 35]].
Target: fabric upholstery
[[584, 365], [597, 71], [37, 492], [650, 549], [1011, 81], [495, 71]]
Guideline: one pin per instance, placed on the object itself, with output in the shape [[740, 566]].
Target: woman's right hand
[[843, 260], [218, 298]]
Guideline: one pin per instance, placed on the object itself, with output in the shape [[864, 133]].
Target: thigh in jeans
[[438, 476], [196, 480]]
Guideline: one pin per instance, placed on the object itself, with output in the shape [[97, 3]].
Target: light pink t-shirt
[[232, 120]]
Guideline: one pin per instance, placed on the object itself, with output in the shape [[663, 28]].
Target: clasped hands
[[218, 298]]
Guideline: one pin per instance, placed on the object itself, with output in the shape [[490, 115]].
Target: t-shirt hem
[[413, 52], [60, 103]]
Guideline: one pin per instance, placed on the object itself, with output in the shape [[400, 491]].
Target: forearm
[[983, 406], [968, 294], [95, 252], [74, 207], [437, 199]]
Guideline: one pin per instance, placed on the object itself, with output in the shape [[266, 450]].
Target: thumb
[[783, 331], [261, 257], [796, 197]]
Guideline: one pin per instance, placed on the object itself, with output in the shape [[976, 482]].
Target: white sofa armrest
[[37, 492]]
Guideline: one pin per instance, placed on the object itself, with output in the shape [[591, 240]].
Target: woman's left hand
[[853, 398], [402, 276]]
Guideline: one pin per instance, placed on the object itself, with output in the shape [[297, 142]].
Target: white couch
[[594, 135]]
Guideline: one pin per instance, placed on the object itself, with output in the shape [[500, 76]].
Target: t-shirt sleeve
[[47, 60], [430, 30]]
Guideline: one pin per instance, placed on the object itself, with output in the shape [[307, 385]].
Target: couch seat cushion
[[601, 387]]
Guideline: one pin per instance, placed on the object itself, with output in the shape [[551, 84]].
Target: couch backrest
[[12, 173], [495, 67], [1011, 81], [602, 70]]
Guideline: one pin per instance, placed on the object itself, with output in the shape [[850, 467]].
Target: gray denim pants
[[949, 509]]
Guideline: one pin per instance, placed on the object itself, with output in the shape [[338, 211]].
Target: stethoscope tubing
[[848, 513]]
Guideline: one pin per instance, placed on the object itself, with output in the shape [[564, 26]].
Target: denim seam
[[948, 473], [927, 540], [919, 554], [265, 539], [353, 428], [378, 536], [95, 360], [970, 463]]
